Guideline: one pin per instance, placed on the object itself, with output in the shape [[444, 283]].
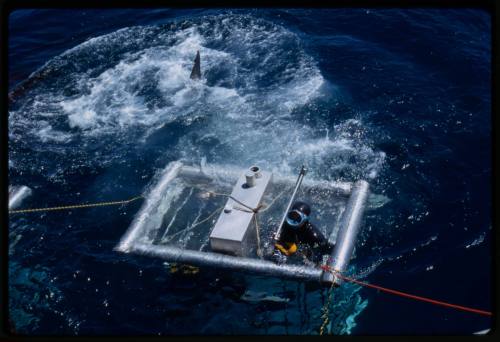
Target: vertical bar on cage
[[348, 232], [302, 173]]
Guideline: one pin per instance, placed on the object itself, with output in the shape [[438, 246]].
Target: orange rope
[[407, 295]]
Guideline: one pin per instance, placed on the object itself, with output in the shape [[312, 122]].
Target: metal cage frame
[[350, 225]]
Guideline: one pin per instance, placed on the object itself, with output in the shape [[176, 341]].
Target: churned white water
[[257, 83]]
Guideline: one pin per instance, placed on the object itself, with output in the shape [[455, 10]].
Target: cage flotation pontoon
[[17, 194], [173, 223]]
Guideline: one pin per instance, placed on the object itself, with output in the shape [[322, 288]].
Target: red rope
[[407, 295]]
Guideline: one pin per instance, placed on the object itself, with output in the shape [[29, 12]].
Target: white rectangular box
[[234, 231]]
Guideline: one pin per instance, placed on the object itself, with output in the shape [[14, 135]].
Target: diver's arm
[[315, 236]]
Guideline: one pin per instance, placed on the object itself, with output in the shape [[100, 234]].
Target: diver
[[298, 230]]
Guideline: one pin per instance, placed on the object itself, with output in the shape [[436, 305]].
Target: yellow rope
[[326, 311], [257, 232], [76, 206], [169, 238]]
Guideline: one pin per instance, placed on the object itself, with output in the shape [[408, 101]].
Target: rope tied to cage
[[76, 206], [405, 294], [325, 316]]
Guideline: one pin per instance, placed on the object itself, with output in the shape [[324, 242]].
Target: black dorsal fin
[[196, 72]]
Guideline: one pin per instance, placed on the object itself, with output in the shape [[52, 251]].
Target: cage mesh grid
[[187, 204]]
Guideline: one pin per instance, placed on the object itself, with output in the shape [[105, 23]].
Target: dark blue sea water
[[401, 98]]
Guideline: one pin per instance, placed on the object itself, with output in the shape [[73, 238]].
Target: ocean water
[[103, 101]]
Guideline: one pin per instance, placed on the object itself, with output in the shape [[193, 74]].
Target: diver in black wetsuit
[[297, 229]]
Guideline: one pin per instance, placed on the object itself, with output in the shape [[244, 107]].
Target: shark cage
[[224, 217]]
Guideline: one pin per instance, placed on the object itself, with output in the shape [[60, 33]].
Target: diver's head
[[298, 214]]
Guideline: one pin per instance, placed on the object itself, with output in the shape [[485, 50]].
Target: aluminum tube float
[[348, 232], [229, 174], [179, 255], [17, 194], [482, 332]]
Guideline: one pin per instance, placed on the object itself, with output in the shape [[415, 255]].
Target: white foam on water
[[479, 240], [115, 100], [256, 74], [48, 133]]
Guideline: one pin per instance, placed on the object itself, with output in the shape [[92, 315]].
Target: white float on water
[[17, 194]]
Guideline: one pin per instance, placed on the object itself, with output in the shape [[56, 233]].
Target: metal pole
[[229, 175], [17, 194], [348, 232], [180, 255], [302, 173]]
